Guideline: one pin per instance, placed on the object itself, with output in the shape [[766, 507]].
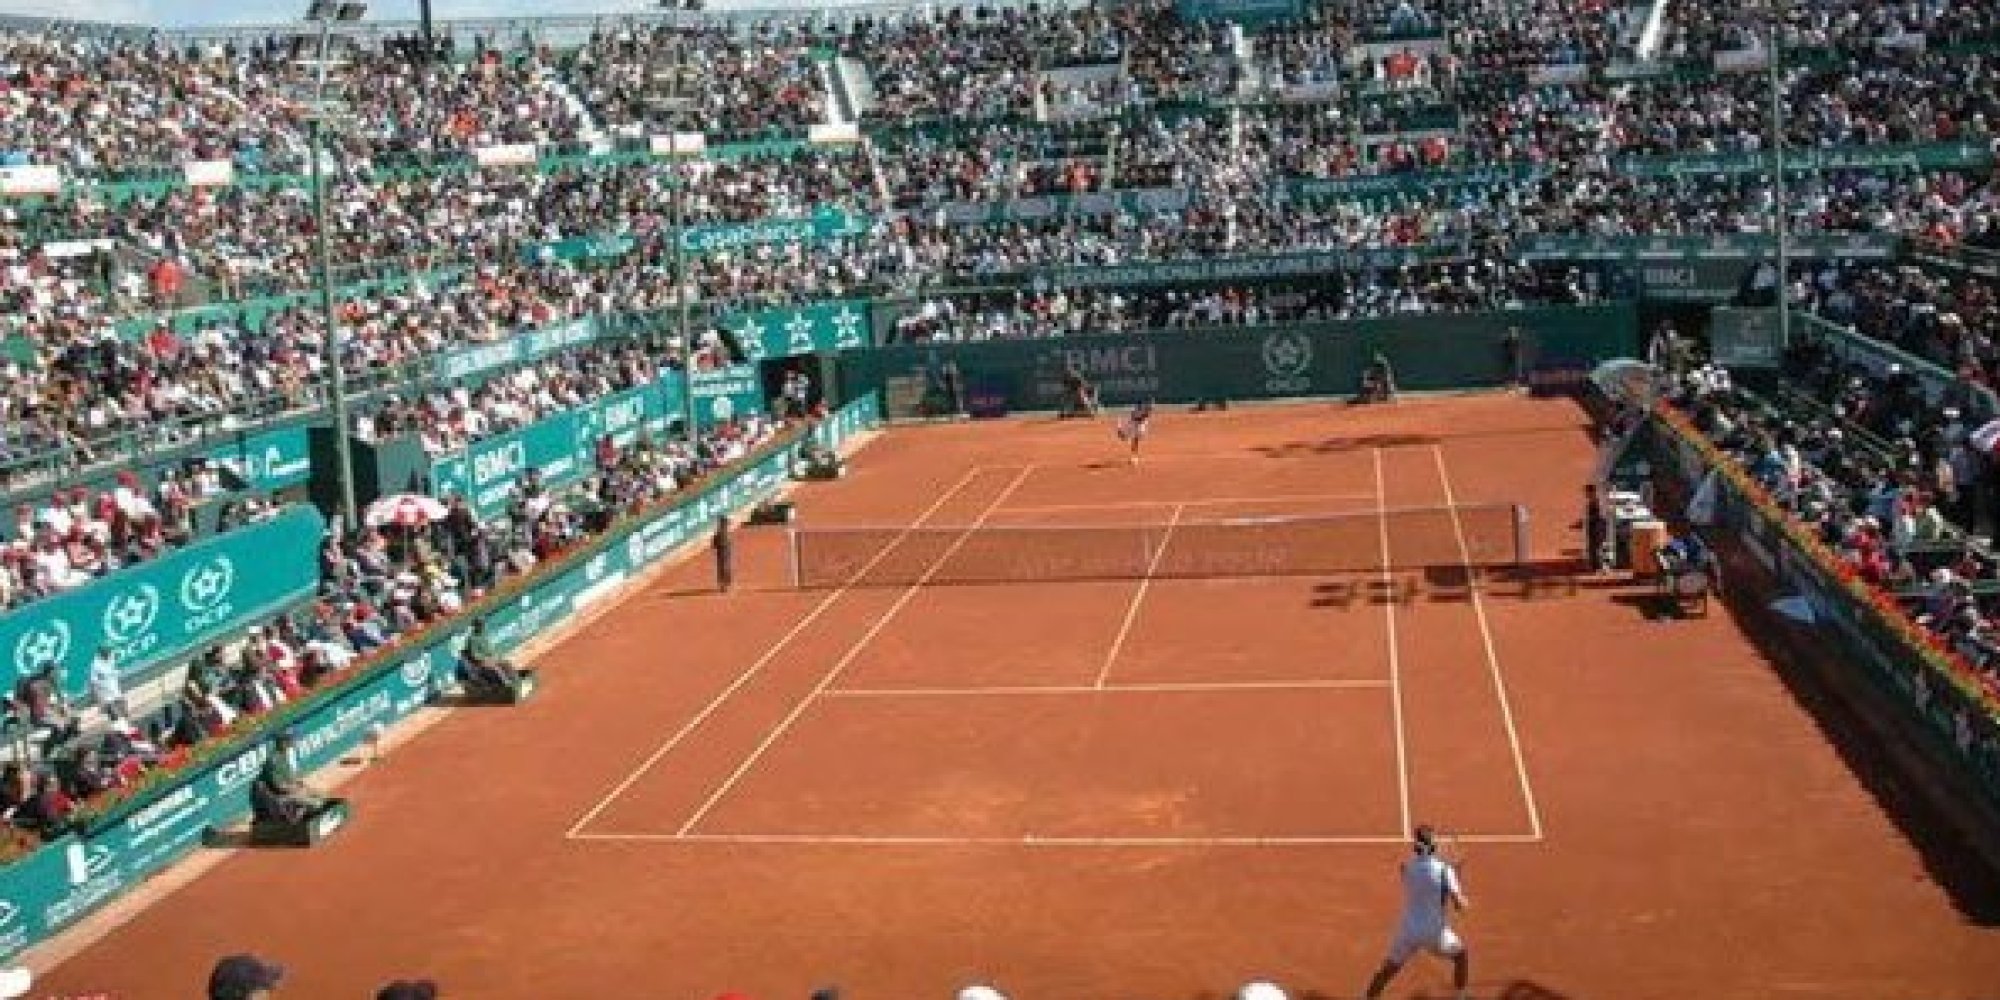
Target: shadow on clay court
[[1452, 584], [1800, 658], [1341, 446], [1949, 860], [1519, 989]]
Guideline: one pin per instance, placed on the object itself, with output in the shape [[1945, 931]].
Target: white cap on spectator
[[15, 983], [1260, 990], [981, 993]]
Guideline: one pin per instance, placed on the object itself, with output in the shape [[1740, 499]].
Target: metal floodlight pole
[[350, 513], [1782, 225], [676, 103], [681, 296]]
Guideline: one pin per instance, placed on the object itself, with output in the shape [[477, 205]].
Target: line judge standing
[[724, 544]]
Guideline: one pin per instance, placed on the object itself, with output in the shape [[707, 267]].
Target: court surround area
[[1126, 782]]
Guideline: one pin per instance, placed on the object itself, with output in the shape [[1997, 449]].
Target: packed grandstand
[[955, 174]]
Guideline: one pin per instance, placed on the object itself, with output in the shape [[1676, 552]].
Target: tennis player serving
[[1430, 890], [1133, 430]]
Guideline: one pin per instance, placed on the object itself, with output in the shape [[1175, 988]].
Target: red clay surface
[[1112, 791]]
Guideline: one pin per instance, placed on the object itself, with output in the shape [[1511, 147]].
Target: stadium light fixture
[[324, 13]]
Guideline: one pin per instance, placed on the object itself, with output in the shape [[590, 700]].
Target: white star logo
[[847, 328], [800, 329], [208, 584], [752, 337], [40, 646], [129, 615]]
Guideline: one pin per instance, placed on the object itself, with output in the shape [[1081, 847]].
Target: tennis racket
[[1451, 851]]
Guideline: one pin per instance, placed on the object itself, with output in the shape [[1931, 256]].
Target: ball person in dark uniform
[[724, 544]]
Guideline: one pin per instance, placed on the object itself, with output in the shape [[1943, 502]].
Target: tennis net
[[1464, 535]]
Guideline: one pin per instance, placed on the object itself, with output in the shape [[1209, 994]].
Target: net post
[[1520, 536], [792, 548]]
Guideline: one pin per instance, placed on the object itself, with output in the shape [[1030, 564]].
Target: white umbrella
[[407, 510], [1797, 609], [1987, 438], [1628, 381]]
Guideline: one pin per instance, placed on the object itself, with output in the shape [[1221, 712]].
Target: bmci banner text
[[171, 606]]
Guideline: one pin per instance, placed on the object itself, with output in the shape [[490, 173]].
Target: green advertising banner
[[1318, 359], [532, 345], [823, 227], [267, 462], [1271, 266], [171, 606], [1915, 156], [1093, 204], [597, 247], [1911, 156], [1246, 12], [65, 880], [1739, 246], [563, 447], [727, 393], [1746, 338], [1378, 185], [783, 333]]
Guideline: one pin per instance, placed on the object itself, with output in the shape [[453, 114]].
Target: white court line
[[1192, 687], [755, 668], [882, 621], [1035, 840], [1492, 655], [1056, 508], [1395, 651], [1138, 597]]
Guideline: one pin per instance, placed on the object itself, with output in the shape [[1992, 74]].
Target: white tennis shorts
[[1439, 941]]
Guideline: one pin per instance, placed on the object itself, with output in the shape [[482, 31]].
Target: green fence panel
[[1740, 247], [268, 461], [726, 393], [37, 897], [593, 248], [1940, 384], [821, 228], [531, 345], [1325, 359], [781, 333], [171, 606], [1271, 266], [1908, 156], [1245, 12]]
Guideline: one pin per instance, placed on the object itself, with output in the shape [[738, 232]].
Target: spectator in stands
[[107, 684], [408, 989], [244, 977]]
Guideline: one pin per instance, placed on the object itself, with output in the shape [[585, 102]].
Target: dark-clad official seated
[[280, 795], [481, 668]]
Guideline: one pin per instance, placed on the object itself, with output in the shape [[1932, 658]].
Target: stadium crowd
[[1078, 137]]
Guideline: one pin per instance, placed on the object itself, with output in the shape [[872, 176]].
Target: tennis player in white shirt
[[1430, 891]]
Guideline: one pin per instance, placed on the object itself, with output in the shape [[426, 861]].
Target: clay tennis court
[[1145, 788]]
